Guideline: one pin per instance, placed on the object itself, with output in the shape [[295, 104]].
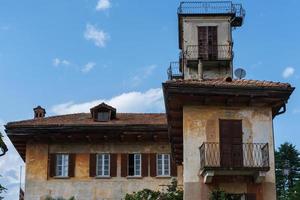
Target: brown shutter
[[173, 167], [72, 164], [113, 164], [145, 158], [124, 165], [250, 196], [92, 165], [153, 165], [52, 163]]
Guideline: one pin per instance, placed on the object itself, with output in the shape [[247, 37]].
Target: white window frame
[[102, 155], [62, 169], [135, 156], [163, 166]]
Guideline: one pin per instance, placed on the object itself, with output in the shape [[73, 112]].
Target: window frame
[[101, 112], [163, 165], [64, 165], [134, 165], [103, 165]]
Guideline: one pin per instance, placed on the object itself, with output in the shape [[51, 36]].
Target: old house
[[217, 131]]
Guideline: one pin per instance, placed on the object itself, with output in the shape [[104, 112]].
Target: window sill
[[61, 177], [164, 177], [103, 177], [134, 177]]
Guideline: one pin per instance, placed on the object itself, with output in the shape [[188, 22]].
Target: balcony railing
[[213, 8], [209, 52], [246, 156], [174, 71]]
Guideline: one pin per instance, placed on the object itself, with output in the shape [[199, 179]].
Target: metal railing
[[252, 156], [174, 71], [209, 52], [211, 7]]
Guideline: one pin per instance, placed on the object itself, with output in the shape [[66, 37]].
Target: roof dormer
[[103, 112]]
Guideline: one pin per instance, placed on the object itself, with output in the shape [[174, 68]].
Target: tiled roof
[[86, 119], [222, 83]]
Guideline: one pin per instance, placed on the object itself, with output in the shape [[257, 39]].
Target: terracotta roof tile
[[86, 119], [222, 83]]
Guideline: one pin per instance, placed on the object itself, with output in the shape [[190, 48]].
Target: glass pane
[[137, 163]]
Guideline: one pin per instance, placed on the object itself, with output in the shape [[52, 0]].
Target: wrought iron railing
[[174, 71], [209, 52], [223, 156], [211, 7]]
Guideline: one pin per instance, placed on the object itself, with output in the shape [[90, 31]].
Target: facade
[[217, 132]]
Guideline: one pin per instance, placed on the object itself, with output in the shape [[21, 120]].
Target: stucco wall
[[38, 184], [201, 124], [190, 37]]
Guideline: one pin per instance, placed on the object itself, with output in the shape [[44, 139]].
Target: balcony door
[[231, 143], [208, 42]]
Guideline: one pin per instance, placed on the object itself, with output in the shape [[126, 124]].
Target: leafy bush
[[58, 198], [173, 193]]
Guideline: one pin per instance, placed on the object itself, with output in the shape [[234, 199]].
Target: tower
[[205, 39]]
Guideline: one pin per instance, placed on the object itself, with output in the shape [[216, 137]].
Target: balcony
[[213, 8], [175, 71], [238, 159], [209, 52]]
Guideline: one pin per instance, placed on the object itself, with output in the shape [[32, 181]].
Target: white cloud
[[149, 101], [60, 62], [88, 67], [103, 5], [99, 37], [142, 75], [9, 168], [288, 72]]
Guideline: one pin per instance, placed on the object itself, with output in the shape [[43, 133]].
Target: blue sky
[[69, 55]]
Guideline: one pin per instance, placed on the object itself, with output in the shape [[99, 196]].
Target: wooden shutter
[[250, 196], [72, 165], [124, 165], [52, 164], [113, 164], [202, 42], [153, 165], [93, 165], [173, 167], [212, 42], [145, 158]]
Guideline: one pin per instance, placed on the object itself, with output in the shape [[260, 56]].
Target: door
[[231, 143], [208, 42]]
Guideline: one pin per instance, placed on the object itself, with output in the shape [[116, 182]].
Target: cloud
[[103, 5], [142, 75], [88, 67], [149, 101], [10, 168], [288, 72], [60, 62], [99, 37]]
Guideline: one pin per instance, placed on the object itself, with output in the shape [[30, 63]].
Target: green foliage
[[173, 193], [3, 150], [58, 198], [287, 169], [218, 195]]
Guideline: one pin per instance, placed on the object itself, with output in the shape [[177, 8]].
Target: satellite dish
[[240, 73]]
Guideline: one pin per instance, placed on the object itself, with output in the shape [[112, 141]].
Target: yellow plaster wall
[[201, 124], [83, 187]]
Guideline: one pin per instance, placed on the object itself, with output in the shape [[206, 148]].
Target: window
[[134, 164], [62, 165], [163, 164], [103, 167], [103, 116]]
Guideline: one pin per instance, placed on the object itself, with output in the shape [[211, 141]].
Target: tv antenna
[[240, 73]]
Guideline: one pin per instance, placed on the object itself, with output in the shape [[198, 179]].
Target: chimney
[[39, 112]]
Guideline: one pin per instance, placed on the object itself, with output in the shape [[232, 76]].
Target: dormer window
[[103, 116], [103, 113]]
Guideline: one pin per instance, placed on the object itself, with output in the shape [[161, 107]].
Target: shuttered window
[[62, 165], [134, 165], [163, 164], [103, 165]]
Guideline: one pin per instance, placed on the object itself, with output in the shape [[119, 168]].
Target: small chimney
[[39, 112]]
